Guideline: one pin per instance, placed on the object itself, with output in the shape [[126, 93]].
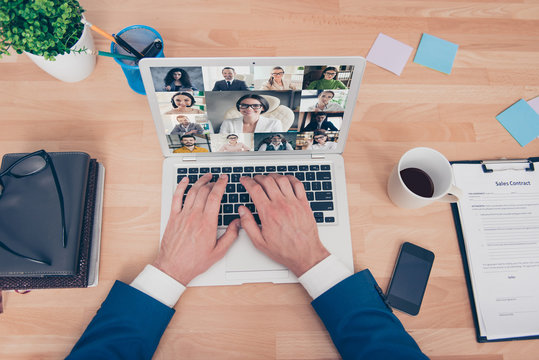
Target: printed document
[[499, 213]]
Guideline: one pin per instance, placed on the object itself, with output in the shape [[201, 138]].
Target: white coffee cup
[[436, 166]]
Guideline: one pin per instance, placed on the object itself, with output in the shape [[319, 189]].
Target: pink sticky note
[[534, 103], [389, 54]]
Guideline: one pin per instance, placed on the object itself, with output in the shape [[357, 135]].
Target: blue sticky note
[[521, 121], [436, 53]]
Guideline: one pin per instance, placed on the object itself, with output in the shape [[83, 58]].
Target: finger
[[213, 203], [270, 186], [250, 226], [202, 197], [260, 198], [297, 186], [284, 184], [178, 195], [227, 239], [192, 194]]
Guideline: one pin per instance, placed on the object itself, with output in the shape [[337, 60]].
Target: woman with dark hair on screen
[[328, 80], [276, 81], [182, 103], [178, 79], [250, 107], [320, 142], [324, 103]]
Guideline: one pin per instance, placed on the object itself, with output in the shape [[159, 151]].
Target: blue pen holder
[[139, 37]]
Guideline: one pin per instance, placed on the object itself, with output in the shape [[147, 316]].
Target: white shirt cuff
[[324, 275], [160, 286]]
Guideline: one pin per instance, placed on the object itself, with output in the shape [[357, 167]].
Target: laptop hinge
[[189, 158], [318, 156]]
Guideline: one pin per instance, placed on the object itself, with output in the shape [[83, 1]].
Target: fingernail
[[223, 176], [241, 211], [185, 179]]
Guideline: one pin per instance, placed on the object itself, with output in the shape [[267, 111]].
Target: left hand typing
[[190, 245]]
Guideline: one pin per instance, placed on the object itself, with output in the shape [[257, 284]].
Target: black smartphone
[[409, 280]]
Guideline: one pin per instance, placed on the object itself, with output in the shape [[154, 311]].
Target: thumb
[[250, 226], [226, 240]]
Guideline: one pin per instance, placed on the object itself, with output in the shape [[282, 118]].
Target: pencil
[[99, 31], [118, 56]]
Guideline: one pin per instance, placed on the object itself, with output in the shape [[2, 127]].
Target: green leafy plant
[[41, 27]]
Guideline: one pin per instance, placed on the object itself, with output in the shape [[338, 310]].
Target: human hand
[[289, 234], [167, 88], [190, 245]]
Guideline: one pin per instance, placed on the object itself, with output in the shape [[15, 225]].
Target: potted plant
[[50, 32]]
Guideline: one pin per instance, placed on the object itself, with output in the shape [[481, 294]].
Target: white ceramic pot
[[70, 67]]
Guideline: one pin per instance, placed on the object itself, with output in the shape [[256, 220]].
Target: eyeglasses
[[319, 137], [26, 166], [331, 73], [232, 138], [252, 106], [277, 73]]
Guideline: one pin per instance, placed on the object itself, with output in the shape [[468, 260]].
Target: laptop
[[248, 116]]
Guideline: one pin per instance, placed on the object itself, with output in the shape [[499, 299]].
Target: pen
[[126, 46], [153, 49]]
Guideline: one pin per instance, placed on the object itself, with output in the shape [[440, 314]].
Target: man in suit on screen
[[229, 83]]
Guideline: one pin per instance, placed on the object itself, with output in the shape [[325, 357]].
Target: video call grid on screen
[[305, 111]]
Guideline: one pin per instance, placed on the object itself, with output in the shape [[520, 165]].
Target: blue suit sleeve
[[128, 325], [360, 323]]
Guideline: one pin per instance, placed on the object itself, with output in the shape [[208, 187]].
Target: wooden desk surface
[[496, 65]]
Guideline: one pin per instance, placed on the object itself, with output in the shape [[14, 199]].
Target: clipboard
[[487, 166]]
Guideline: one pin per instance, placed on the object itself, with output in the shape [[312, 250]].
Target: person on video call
[[251, 106], [234, 145], [276, 81], [182, 103], [185, 127], [133, 317], [324, 103], [327, 81], [320, 141], [189, 145], [229, 83], [320, 121], [177, 79], [277, 142]]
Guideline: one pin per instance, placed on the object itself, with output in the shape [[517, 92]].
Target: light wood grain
[[496, 65]]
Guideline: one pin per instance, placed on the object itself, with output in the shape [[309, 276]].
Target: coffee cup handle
[[453, 195]]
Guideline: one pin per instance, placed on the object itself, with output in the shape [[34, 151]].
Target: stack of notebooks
[[31, 224]]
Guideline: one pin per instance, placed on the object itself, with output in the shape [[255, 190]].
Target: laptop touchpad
[[243, 256]]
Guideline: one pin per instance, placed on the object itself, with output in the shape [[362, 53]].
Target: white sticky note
[[389, 54]]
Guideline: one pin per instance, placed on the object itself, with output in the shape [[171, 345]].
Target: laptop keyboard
[[316, 179]]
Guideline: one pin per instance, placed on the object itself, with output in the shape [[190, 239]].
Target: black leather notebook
[[81, 277], [31, 219]]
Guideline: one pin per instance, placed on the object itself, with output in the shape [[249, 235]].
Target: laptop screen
[[257, 105]]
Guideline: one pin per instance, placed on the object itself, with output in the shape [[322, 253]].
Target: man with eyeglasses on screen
[[133, 317]]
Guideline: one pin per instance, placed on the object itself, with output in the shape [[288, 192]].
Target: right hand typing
[[289, 234]]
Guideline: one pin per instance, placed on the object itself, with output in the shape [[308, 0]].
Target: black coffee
[[418, 181]]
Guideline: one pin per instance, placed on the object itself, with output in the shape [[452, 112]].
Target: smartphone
[[409, 279]]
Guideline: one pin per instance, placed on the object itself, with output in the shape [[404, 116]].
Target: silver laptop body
[[212, 106]]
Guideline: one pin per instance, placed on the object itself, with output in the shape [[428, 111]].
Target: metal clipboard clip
[[489, 166]]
